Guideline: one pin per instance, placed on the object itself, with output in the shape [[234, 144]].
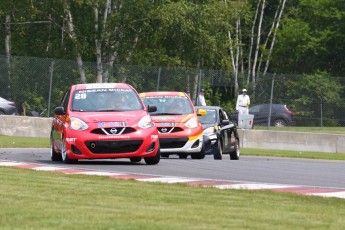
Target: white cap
[[244, 90]]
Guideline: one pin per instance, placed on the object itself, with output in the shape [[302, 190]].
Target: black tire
[[54, 156], [165, 155], [235, 155], [135, 159], [153, 160], [218, 152], [64, 156], [279, 123], [200, 155], [183, 156]]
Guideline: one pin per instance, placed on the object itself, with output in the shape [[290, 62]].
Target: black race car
[[220, 134]]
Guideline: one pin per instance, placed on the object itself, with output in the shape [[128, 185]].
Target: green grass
[[330, 130], [23, 142], [44, 200], [292, 154]]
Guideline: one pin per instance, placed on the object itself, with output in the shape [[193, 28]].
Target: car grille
[[167, 143], [121, 146], [113, 131], [169, 129]]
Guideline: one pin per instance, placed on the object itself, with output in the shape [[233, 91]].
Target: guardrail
[[24, 126], [260, 139]]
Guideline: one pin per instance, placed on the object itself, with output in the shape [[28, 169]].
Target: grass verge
[[45, 200], [330, 130]]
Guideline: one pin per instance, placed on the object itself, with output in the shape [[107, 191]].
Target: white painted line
[[251, 186], [10, 163], [99, 173], [48, 168], [168, 180], [329, 194]]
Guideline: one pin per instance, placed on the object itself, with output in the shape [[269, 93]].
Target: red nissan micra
[[103, 120]]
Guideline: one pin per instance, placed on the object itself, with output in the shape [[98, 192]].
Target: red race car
[[179, 129], [103, 120]]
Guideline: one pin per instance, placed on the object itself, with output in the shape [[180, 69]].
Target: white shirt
[[243, 101], [201, 100]]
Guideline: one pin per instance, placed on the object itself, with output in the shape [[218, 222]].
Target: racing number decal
[[78, 96]]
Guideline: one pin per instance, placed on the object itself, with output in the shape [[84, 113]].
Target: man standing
[[243, 102], [201, 98]]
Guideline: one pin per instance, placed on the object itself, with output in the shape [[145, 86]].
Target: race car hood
[[130, 117], [171, 118]]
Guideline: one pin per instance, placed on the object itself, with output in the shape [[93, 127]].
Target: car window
[[221, 115], [209, 118], [65, 100], [169, 104], [254, 109], [107, 99], [226, 117]]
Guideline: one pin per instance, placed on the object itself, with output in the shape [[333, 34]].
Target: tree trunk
[[73, 36], [8, 50], [258, 43], [98, 45], [252, 42], [274, 37]]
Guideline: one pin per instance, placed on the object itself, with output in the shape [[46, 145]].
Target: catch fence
[[37, 84]]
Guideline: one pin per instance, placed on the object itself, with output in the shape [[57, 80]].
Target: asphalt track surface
[[301, 174]]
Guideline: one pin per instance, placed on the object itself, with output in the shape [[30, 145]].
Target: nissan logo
[[164, 130], [113, 131]]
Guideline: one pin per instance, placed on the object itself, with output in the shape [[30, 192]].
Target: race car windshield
[[105, 100], [169, 105], [210, 117]]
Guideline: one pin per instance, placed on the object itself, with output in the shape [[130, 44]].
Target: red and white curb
[[220, 184]]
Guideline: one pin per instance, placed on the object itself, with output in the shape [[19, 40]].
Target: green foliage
[[311, 38]]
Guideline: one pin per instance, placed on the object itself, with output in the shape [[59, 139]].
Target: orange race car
[[179, 129]]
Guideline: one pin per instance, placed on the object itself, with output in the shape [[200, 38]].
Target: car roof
[[163, 93], [102, 85]]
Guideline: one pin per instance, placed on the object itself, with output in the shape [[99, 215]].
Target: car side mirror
[[225, 122], [59, 111], [151, 108], [201, 112]]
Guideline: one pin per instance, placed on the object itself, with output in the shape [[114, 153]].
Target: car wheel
[[65, 158], [279, 123], [2, 112], [235, 155], [153, 160], [200, 155], [183, 156], [135, 159], [218, 152], [53, 154]]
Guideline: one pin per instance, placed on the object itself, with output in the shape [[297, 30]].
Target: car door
[[225, 131], [59, 121], [260, 113]]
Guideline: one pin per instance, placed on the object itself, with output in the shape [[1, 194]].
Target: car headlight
[[192, 123], [77, 124], [145, 122], [209, 131]]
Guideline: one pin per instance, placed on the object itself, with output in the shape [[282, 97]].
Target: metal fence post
[[159, 77], [271, 99], [50, 87], [321, 108]]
